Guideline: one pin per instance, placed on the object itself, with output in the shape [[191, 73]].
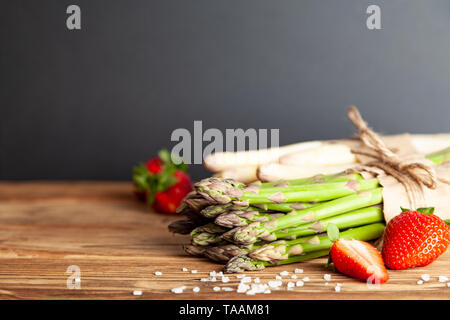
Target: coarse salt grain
[[294, 276], [290, 285], [227, 289], [216, 289], [242, 288], [305, 279], [337, 288], [278, 278], [419, 282], [178, 289], [274, 284], [185, 269], [425, 277], [448, 284], [210, 279], [284, 273], [246, 279], [240, 276], [193, 271], [327, 277], [443, 279], [267, 291], [256, 280], [298, 271], [326, 283], [259, 288], [299, 283], [137, 293], [225, 279], [196, 289], [158, 273]]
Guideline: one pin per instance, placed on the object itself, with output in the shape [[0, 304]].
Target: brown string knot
[[412, 175]]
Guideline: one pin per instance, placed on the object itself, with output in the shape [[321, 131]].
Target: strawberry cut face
[[359, 260]]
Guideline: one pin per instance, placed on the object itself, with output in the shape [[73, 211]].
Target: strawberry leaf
[[172, 160], [405, 209], [140, 177], [447, 222], [333, 232], [165, 179], [429, 210]]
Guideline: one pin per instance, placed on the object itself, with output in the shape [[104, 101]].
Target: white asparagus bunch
[[301, 159]]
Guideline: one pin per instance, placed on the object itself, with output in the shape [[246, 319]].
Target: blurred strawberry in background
[[161, 183]]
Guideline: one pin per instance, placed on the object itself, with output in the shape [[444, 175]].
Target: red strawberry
[[154, 165], [161, 183], [414, 239], [359, 259]]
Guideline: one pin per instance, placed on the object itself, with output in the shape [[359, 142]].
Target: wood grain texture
[[119, 244]]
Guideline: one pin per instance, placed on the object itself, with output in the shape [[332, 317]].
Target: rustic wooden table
[[118, 244]]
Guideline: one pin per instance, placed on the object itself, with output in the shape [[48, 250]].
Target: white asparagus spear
[[328, 154], [223, 160], [429, 143], [244, 174], [276, 171]]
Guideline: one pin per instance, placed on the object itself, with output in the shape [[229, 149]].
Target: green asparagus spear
[[282, 249], [182, 226], [343, 221], [243, 218], [244, 263], [320, 178], [223, 253], [213, 211], [225, 191], [284, 207], [193, 250], [440, 156], [263, 231], [314, 192], [207, 235]]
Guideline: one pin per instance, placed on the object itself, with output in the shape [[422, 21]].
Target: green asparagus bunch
[[250, 227]]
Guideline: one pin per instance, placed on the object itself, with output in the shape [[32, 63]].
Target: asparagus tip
[[243, 263]]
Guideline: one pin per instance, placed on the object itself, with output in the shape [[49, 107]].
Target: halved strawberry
[[359, 259]]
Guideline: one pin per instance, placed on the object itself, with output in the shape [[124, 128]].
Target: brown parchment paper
[[394, 193]]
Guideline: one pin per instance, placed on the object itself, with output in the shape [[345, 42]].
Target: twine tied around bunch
[[412, 175]]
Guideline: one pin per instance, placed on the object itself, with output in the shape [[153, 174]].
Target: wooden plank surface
[[118, 244]]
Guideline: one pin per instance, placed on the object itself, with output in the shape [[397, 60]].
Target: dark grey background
[[89, 104]]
